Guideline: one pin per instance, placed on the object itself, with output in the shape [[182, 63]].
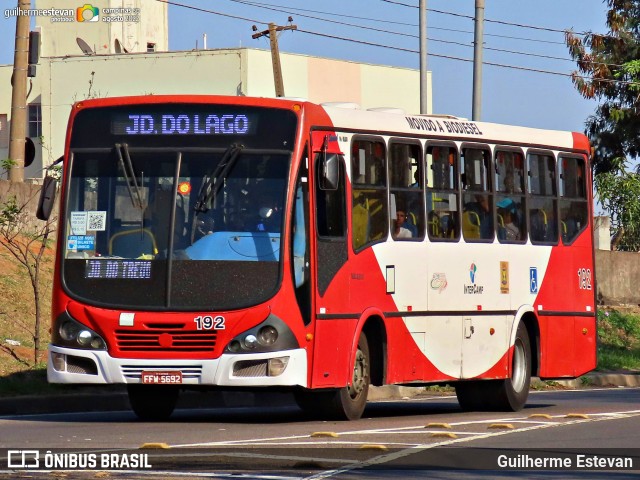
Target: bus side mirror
[[329, 171], [47, 198]]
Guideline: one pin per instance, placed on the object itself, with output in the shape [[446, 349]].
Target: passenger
[[399, 230], [482, 209], [507, 210]]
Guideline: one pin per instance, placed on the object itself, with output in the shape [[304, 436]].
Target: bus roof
[[389, 122], [348, 116]]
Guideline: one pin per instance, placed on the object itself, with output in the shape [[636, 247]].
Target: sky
[[519, 96]]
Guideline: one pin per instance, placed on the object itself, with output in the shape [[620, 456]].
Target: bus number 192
[[209, 323], [584, 278]]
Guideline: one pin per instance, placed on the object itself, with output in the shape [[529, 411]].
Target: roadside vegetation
[[619, 335]]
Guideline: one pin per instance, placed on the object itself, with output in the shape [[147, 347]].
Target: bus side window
[[477, 200], [510, 199], [443, 219], [573, 199], [406, 190], [370, 219], [542, 204]]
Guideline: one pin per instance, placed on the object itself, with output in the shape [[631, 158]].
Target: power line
[[362, 42], [295, 10], [191, 7], [501, 22], [429, 9], [468, 60], [289, 10], [436, 40]]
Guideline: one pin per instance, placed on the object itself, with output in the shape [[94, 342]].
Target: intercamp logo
[[23, 459]]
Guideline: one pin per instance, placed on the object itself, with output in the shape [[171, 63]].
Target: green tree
[[609, 71], [618, 191], [25, 239]]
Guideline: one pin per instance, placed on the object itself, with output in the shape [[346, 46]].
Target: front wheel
[[152, 402], [345, 403], [509, 394]]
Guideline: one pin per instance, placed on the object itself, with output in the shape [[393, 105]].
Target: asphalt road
[[428, 436]]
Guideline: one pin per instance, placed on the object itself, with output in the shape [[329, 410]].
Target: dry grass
[[17, 312]]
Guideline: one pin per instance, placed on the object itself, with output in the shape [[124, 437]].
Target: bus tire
[[471, 395], [348, 403], [509, 394], [152, 402]]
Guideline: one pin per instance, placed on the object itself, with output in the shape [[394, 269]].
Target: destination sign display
[[116, 268], [173, 123]]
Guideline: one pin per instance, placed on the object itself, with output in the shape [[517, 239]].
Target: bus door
[[331, 254]]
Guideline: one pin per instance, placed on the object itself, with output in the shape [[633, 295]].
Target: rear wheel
[[512, 393], [509, 394], [152, 402], [345, 403]]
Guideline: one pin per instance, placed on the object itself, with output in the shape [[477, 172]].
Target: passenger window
[[443, 219], [543, 224], [510, 200], [369, 217], [406, 191], [574, 208], [477, 200]]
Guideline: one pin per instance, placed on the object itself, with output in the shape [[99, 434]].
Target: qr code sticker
[[96, 221]]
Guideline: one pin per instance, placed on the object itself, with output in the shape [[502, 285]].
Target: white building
[[66, 75], [144, 27]]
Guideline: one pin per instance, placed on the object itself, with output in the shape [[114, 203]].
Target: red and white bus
[[210, 241]]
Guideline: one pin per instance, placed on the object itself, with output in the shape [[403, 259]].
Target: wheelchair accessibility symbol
[[533, 280]]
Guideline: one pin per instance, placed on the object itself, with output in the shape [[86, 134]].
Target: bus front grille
[[151, 340]]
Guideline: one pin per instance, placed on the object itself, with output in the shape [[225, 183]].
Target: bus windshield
[[177, 227]]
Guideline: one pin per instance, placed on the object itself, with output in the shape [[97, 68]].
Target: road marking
[[413, 450], [444, 434]]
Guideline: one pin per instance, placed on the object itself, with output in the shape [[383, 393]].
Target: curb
[[609, 379], [118, 400]]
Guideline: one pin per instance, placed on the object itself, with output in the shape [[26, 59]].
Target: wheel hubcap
[[359, 380], [519, 374]]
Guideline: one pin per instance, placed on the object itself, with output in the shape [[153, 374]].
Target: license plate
[[162, 378]]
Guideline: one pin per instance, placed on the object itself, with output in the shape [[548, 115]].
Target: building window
[[151, 47], [35, 120]]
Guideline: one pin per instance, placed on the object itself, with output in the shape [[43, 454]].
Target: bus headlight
[[71, 333], [270, 336], [250, 342], [69, 330]]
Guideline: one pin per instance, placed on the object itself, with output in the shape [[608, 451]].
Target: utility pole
[[424, 98], [477, 61], [18, 123], [272, 33]]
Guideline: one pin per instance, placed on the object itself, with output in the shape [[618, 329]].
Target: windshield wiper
[[135, 189], [212, 184]]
